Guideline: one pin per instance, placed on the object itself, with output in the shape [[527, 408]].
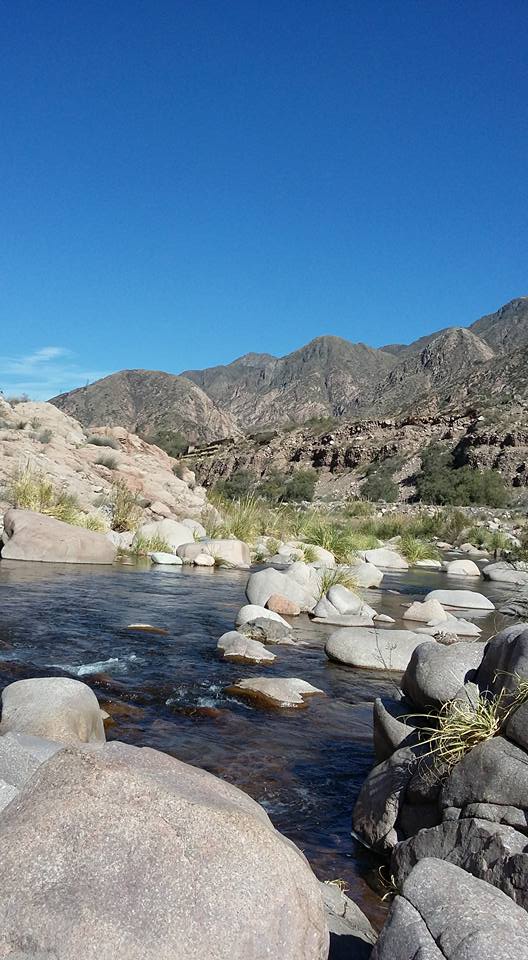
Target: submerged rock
[[275, 691], [139, 856]]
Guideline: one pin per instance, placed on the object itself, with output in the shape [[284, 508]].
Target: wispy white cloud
[[44, 373]]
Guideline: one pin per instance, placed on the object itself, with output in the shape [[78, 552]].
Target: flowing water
[[166, 690]]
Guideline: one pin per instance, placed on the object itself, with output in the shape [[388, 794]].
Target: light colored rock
[[451, 626], [384, 618], [275, 691], [123, 541], [138, 856], [267, 631], [233, 553], [388, 559], [171, 531], [366, 575], [462, 568], [204, 560], [322, 556], [33, 536], [158, 556], [461, 599], [505, 572], [55, 708], [347, 924], [160, 509], [20, 758], [197, 529], [344, 600], [424, 612], [471, 550], [263, 584], [429, 564], [283, 606], [324, 609], [373, 649], [253, 611], [236, 646]]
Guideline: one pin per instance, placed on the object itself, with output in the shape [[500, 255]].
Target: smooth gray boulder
[[55, 708], [165, 559], [263, 584], [505, 659], [435, 672], [197, 529], [34, 536], [21, 756], [235, 646], [491, 851], [389, 727], [504, 572], [372, 648], [444, 913], [139, 856], [383, 557], [380, 799], [366, 575], [231, 553], [462, 568], [253, 611], [425, 612], [461, 599], [346, 601], [495, 771], [171, 531]]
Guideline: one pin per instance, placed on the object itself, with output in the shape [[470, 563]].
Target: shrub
[[440, 481], [125, 507], [44, 436], [380, 486], [301, 486], [172, 441], [31, 490], [236, 486], [414, 549], [107, 460], [142, 546], [98, 440], [93, 522]]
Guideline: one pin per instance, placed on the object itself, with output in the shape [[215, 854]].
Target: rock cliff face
[[49, 442]]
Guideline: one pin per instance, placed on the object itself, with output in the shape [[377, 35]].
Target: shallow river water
[[166, 691]]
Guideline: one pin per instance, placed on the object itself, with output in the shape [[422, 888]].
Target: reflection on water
[[166, 691]]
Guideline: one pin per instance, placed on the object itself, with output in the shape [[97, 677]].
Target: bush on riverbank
[[31, 490]]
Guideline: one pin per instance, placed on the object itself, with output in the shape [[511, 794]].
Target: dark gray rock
[[351, 933], [389, 728], [436, 672], [266, 631], [517, 726], [495, 771], [417, 816], [505, 656], [446, 914], [497, 813], [380, 799], [426, 782], [491, 851]]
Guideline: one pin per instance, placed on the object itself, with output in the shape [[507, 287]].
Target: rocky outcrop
[[33, 536]]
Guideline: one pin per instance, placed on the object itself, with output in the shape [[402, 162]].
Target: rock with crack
[[373, 648], [284, 692]]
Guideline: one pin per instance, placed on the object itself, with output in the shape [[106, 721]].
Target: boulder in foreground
[[138, 856], [37, 537]]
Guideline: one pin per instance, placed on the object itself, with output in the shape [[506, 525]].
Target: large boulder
[[232, 553], [372, 648], [425, 612], [383, 557], [462, 568], [491, 851], [443, 913], [139, 856], [495, 771], [263, 584], [505, 660], [380, 799], [461, 599], [56, 708], [34, 536], [366, 575], [436, 672], [346, 601], [389, 729], [20, 758], [505, 572], [171, 531]]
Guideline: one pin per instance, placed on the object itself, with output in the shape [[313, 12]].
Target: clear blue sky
[[183, 182]]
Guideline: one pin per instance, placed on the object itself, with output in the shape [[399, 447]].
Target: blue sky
[[184, 182]]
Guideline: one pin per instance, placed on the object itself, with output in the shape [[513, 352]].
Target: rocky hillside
[[328, 378], [39, 437], [145, 401]]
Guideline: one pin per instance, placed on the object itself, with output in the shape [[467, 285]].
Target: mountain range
[[328, 377]]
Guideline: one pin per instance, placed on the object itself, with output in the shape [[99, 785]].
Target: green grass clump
[[101, 441], [414, 549], [31, 490], [332, 577], [92, 521], [126, 511], [107, 460], [142, 546]]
